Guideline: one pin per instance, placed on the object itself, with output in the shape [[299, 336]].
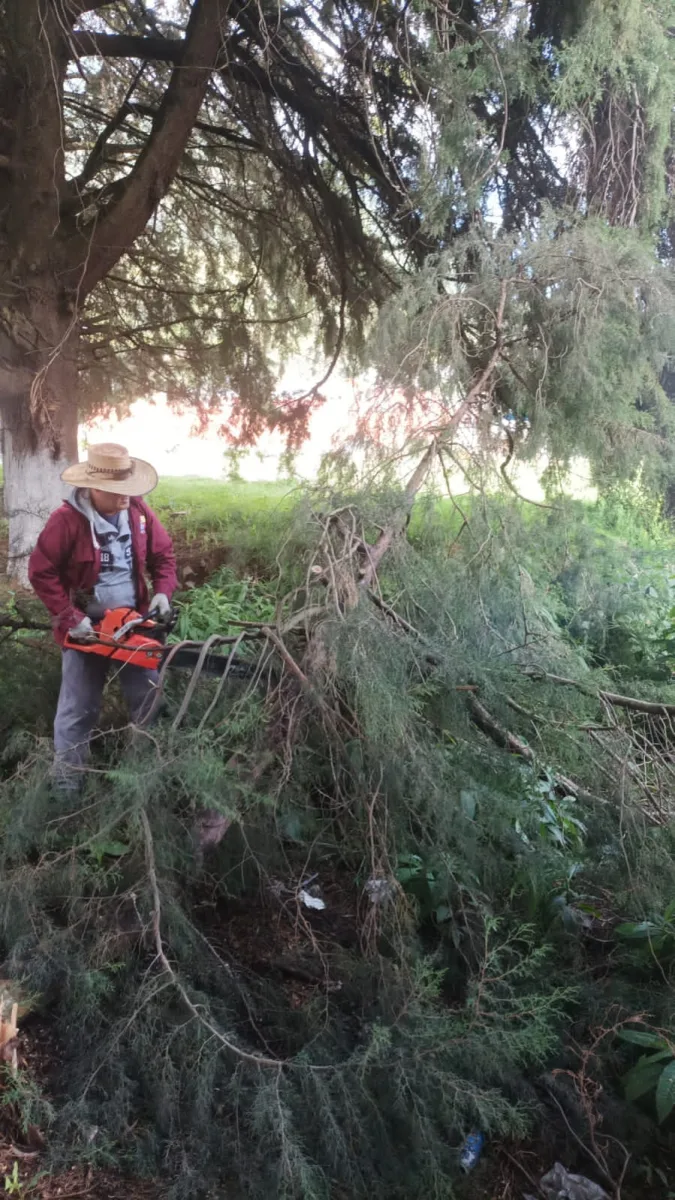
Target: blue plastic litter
[[471, 1151]]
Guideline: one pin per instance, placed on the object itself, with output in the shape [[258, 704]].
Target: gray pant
[[83, 678]]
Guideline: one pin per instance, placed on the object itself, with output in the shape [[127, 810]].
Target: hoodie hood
[[101, 528], [115, 586]]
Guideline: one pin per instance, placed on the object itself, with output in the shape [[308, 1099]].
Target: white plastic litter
[[311, 901], [379, 891], [560, 1185]]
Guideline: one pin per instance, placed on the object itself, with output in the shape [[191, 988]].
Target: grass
[[215, 523], [209, 505]]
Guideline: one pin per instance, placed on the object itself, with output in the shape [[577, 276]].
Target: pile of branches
[[267, 931]]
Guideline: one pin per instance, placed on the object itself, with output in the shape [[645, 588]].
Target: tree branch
[[500, 736], [85, 44], [158, 162], [387, 536], [417, 479], [97, 153], [199, 1014], [653, 707]]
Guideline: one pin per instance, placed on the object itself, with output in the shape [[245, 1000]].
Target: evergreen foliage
[[510, 346], [334, 148], [215, 1028]]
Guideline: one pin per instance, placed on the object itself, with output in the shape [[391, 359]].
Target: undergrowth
[[218, 1028]]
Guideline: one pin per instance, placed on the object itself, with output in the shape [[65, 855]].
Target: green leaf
[[665, 1093], [410, 860], [640, 931], [641, 1037], [110, 849], [642, 1078]]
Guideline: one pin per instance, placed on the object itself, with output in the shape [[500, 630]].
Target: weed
[[13, 1184], [654, 1073], [656, 936], [221, 605]]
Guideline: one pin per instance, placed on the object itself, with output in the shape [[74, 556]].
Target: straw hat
[[111, 468]]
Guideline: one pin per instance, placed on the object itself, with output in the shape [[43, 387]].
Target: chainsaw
[[128, 638]]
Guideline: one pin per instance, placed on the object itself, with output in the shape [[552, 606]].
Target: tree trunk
[[38, 404], [56, 244], [32, 490], [38, 313]]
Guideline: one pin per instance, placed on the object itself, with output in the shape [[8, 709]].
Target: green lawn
[[209, 505]]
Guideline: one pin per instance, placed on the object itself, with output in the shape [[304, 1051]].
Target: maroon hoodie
[[67, 560]]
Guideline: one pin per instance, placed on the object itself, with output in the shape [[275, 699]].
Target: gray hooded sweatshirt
[[112, 535]]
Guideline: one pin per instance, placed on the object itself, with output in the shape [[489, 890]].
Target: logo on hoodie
[[141, 523]]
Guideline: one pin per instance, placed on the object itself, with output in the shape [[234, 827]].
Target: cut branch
[[500, 736], [653, 707], [376, 553], [509, 741], [257, 1060]]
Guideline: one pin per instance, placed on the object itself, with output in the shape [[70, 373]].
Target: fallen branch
[[258, 1060], [377, 552], [288, 659], [655, 707], [395, 617], [509, 741], [502, 737]]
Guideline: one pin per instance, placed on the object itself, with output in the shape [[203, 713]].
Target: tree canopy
[[237, 174], [190, 190]]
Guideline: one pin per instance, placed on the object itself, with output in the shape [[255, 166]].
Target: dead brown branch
[[655, 707]]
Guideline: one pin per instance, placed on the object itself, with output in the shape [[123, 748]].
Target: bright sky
[[168, 439], [155, 432]]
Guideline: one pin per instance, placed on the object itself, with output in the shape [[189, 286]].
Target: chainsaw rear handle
[[95, 611], [162, 625]]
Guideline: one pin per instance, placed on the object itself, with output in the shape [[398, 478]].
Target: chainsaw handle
[[163, 626], [96, 612]]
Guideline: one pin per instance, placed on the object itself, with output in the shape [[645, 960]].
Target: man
[[99, 545]]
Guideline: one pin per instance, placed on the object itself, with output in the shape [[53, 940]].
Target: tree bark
[[38, 370], [38, 401]]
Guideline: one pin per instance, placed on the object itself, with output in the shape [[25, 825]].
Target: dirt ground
[[23, 1156]]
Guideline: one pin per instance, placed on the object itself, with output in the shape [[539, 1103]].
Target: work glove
[[159, 606], [83, 632]]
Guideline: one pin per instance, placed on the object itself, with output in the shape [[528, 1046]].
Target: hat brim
[[143, 479]]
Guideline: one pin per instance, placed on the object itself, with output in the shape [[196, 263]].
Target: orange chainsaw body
[[122, 635]]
